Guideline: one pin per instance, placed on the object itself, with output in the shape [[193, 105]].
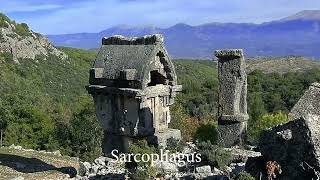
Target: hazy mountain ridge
[[294, 36], [306, 15]]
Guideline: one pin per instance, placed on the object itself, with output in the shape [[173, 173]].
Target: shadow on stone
[[32, 165]]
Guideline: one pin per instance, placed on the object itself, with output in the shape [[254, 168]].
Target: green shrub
[[22, 29], [3, 20], [215, 155], [8, 57], [207, 132], [180, 120], [55, 88], [144, 173], [83, 135], [244, 176], [175, 145], [143, 170], [29, 127], [200, 84], [264, 122]]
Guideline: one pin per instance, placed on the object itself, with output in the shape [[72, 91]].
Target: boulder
[[241, 155], [309, 103], [84, 168], [295, 146], [237, 168], [217, 171], [101, 161], [203, 169], [94, 169], [166, 167], [57, 153]]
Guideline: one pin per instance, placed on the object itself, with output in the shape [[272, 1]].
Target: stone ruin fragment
[[232, 106], [309, 103], [133, 83], [296, 144]]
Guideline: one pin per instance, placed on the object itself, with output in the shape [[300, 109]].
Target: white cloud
[[96, 15], [12, 6]]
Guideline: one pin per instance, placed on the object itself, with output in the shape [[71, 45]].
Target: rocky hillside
[[43, 101], [23, 43], [281, 65]]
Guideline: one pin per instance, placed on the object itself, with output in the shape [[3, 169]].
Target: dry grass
[[282, 65], [35, 165]]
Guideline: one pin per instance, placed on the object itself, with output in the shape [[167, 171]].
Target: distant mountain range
[[297, 35]]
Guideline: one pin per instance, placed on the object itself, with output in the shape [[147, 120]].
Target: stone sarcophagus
[[133, 83], [232, 106]]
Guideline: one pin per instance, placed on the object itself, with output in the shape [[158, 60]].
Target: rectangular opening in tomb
[[156, 78]]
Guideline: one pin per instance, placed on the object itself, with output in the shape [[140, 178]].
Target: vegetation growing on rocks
[[215, 155], [244, 176], [207, 132], [21, 29], [3, 20], [142, 170], [266, 121]]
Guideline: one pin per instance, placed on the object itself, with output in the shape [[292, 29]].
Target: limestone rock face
[[295, 146], [26, 47]]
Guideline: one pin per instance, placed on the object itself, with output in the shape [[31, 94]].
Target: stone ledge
[[229, 53], [234, 118], [122, 40]]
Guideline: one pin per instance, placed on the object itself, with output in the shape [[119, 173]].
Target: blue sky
[[72, 16]]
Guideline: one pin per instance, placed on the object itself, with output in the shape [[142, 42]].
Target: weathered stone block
[[231, 134], [232, 109], [95, 73], [295, 146], [122, 40], [160, 138], [128, 74], [309, 103], [229, 53]]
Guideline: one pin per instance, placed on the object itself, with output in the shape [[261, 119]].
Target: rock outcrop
[[296, 144], [23, 43], [309, 103]]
